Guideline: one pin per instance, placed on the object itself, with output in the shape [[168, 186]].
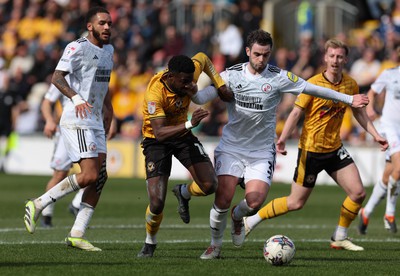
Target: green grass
[[118, 228]]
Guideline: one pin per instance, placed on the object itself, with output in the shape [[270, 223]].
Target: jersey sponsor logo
[[292, 77], [249, 101], [95, 57], [266, 87], [102, 75], [151, 106]]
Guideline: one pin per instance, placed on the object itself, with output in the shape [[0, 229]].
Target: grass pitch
[[118, 228]]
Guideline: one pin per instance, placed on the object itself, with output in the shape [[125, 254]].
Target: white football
[[279, 250]]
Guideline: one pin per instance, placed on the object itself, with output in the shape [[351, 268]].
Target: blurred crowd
[[147, 33]]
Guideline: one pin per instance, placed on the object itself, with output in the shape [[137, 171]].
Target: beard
[[258, 68], [97, 35]]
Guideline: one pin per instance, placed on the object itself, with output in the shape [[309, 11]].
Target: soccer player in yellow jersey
[[167, 132], [320, 148]]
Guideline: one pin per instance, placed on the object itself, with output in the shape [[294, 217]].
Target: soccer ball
[[279, 250]]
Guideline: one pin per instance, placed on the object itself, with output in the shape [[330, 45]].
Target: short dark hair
[[181, 64], [93, 11], [260, 37]]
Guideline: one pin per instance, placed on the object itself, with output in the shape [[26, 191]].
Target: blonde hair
[[335, 43]]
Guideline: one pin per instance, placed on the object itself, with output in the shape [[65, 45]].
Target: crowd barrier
[[32, 155]]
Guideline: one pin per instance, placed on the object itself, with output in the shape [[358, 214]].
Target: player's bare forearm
[[61, 83], [162, 132]]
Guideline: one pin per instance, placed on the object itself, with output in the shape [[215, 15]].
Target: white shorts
[[251, 165], [60, 160], [392, 134], [84, 143]]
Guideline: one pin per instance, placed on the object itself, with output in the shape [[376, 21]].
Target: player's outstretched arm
[[290, 124], [356, 101], [362, 118]]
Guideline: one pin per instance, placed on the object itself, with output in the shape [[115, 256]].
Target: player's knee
[[294, 206], [209, 187]]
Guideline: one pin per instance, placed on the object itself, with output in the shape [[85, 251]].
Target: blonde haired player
[[321, 148]]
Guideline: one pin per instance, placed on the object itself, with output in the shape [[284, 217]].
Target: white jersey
[[252, 116], [389, 80], [89, 69]]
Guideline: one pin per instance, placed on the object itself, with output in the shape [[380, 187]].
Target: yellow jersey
[[161, 102], [323, 118]]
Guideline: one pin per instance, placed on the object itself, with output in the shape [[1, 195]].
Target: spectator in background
[[365, 69], [230, 41]]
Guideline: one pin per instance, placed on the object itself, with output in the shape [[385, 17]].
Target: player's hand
[[280, 147], [198, 115], [225, 93], [83, 109], [383, 142], [49, 129], [360, 101]]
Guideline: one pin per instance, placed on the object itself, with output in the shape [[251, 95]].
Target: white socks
[[378, 193], [217, 225], [82, 220]]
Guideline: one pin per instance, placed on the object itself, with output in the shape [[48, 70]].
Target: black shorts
[[310, 164], [158, 155]]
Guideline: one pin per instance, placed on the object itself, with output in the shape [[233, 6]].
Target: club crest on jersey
[[266, 87], [292, 77], [151, 106], [178, 103]]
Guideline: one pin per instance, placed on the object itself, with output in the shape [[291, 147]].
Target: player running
[[321, 148]]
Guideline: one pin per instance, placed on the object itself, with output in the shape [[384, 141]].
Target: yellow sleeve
[[204, 64]]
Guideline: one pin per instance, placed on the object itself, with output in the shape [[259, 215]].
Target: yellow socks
[[274, 208], [194, 189], [348, 212]]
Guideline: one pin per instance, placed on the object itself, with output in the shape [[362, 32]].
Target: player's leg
[[47, 213], [349, 179], [304, 179], [393, 193], [93, 170], [258, 177], [196, 160], [74, 139], [219, 214], [378, 193], [61, 164], [158, 160]]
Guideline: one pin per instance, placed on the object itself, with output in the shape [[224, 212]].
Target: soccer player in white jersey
[[388, 82], [60, 162], [84, 123], [247, 147]]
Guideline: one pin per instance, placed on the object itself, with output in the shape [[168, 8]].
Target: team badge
[[266, 87], [179, 103], [151, 106], [92, 147], [151, 167], [310, 178], [292, 77]]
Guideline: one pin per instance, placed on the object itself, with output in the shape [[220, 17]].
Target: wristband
[[77, 100], [188, 124]]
